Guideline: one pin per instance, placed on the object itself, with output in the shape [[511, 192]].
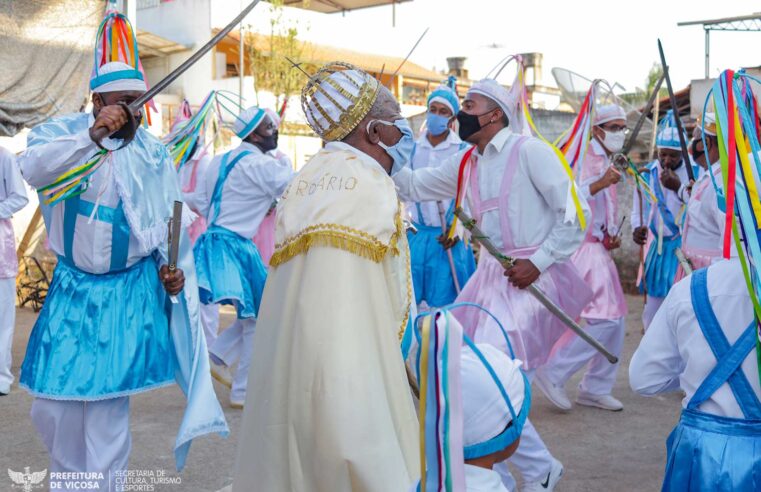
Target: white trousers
[[573, 353], [210, 322], [652, 304], [237, 343], [90, 437], [7, 322], [532, 458]]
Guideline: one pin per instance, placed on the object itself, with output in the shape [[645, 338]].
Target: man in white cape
[[328, 407]]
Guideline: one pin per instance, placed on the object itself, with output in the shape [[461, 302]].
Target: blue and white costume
[[431, 270], [107, 329], [702, 340], [663, 223], [240, 188]]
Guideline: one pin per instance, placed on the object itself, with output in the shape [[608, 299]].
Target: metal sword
[[450, 257], [101, 132], [175, 228], [672, 98], [620, 159], [507, 262]]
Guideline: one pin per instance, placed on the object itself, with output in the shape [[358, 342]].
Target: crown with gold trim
[[336, 98]]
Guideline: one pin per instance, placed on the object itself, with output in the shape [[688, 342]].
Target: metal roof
[[151, 45], [750, 22], [333, 6]]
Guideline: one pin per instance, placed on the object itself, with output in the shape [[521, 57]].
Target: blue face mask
[[437, 124], [401, 151]]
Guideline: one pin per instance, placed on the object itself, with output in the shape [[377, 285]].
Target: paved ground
[[602, 451]]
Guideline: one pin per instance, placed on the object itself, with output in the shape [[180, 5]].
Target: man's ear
[[97, 100], [373, 132]]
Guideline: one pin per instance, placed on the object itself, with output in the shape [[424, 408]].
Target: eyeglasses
[[615, 128]]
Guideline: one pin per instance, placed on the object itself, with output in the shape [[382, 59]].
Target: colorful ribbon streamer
[[737, 132]]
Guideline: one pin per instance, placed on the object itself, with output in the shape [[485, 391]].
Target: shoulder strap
[[224, 172], [729, 359]]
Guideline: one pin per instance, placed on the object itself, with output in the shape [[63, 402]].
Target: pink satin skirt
[[265, 238], [531, 328], [699, 259], [197, 228], [599, 272]]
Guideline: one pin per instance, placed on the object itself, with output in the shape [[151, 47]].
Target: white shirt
[[12, 192], [42, 164], [426, 155], [254, 183], [537, 196], [704, 220], [195, 198], [673, 202], [600, 201], [673, 353]]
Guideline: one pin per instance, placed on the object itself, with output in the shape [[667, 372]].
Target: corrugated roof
[[151, 45], [318, 54], [332, 6]]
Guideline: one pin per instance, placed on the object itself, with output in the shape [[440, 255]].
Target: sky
[[598, 39]]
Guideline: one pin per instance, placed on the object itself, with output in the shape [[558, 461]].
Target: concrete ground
[[601, 451]]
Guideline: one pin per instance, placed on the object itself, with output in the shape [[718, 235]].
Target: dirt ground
[[601, 451]]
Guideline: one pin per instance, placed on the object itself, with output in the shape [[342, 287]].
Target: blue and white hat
[[446, 95], [668, 134], [117, 76], [248, 121]]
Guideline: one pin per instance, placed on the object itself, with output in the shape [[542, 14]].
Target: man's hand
[[611, 242], [523, 273], [173, 282], [640, 235], [110, 117], [448, 243], [610, 178], [670, 180]]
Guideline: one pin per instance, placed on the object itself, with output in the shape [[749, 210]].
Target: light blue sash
[[224, 172]]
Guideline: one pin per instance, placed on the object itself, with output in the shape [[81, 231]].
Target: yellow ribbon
[[424, 344]]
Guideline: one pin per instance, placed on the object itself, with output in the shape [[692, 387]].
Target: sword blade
[[101, 132], [175, 228], [672, 98], [532, 289], [163, 83]]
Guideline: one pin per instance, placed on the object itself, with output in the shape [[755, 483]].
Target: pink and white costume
[[703, 224], [606, 313], [519, 192], [12, 199]]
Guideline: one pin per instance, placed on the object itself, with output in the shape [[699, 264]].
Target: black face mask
[[267, 143], [469, 124], [696, 154]]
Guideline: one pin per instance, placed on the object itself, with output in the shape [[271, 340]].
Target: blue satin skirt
[[230, 271], [660, 270], [100, 336], [431, 272], [712, 453]]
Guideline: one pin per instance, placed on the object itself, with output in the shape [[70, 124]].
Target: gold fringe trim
[[406, 317], [341, 237]]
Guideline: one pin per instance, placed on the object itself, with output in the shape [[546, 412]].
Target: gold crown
[[349, 117]]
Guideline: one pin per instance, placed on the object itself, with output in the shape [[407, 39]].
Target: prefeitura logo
[[27, 480]]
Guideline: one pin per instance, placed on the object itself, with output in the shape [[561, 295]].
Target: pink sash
[[499, 203]]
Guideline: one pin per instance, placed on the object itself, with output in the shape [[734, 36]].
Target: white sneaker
[[237, 404], [554, 393], [606, 402], [550, 481], [221, 373]]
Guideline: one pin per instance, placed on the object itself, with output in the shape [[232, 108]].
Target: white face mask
[[614, 141]]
